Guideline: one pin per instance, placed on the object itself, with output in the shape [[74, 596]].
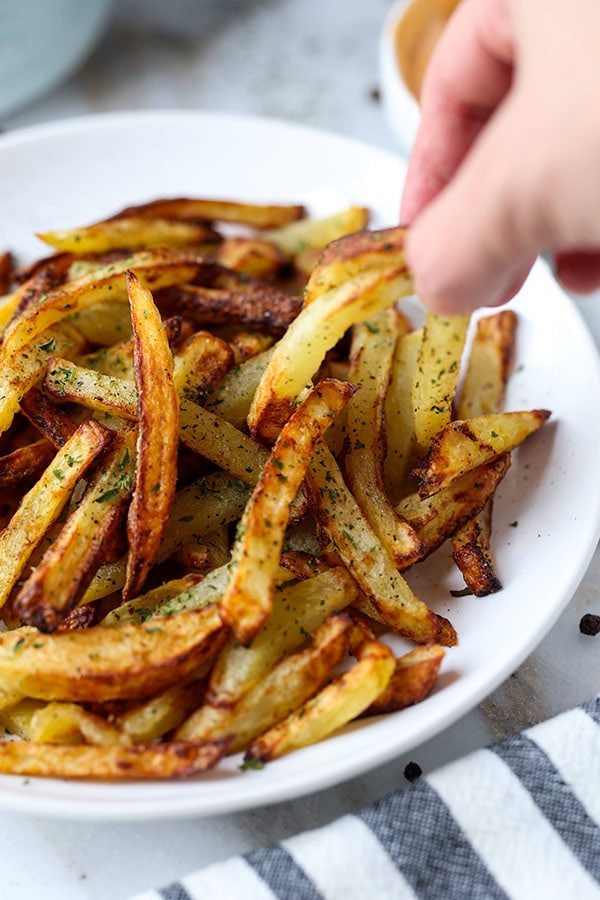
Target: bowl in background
[[410, 33], [43, 41]]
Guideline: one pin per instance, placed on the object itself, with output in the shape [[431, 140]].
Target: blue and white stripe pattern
[[520, 820]]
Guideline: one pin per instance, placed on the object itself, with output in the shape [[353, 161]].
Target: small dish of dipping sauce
[[410, 33]]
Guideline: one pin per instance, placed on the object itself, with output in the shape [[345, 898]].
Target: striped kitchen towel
[[519, 820]]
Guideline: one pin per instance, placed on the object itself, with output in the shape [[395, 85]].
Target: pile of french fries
[[219, 450]]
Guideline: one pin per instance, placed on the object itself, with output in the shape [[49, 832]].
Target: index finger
[[468, 76]]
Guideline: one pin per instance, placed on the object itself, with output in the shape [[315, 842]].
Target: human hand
[[506, 164]]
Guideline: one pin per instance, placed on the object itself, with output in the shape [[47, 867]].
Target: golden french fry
[[472, 553], [114, 763], [248, 599], [109, 662], [436, 376], [20, 466], [46, 416], [322, 323], [42, 505], [200, 364], [69, 563], [232, 397], [340, 517], [315, 234], [135, 233], [258, 215], [158, 411], [373, 345], [413, 679], [69, 723], [258, 258], [144, 607], [337, 704], [464, 445], [265, 705], [399, 418], [149, 720]]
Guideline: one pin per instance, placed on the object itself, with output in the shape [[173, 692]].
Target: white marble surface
[[313, 61]]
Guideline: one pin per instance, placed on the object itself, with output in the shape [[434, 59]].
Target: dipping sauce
[[416, 36]]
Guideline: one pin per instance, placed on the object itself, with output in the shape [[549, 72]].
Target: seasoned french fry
[[200, 365], [437, 373], [135, 233], [109, 662], [248, 599], [258, 258], [68, 382], [336, 705], [42, 505], [68, 565], [261, 306], [148, 720], [464, 445], [399, 419], [297, 611], [24, 463], [472, 553], [114, 763], [321, 324], [265, 705], [159, 268], [69, 723], [340, 517], [232, 397], [372, 351], [260, 216], [47, 417], [158, 430], [315, 234], [413, 679], [144, 607]]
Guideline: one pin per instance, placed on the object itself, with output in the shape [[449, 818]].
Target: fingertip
[[579, 271]]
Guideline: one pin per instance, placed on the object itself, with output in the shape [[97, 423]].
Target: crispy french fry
[[68, 565], [246, 344], [159, 268], [373, 346], [144, 607], [315, 234], [42, 505], [69, 723], [135, 233], [464, 445], [340, 517], [260, 216], [322, 323], [232, 397], [265, 705], [437, 373], [148, 720], [47, 417], [258, 258], [200, 364], [248, 599], [109, 662], [413, 679], [399, 419], [158, 431], [438, 517], [114, 763], [7, 267], [336, 705], [69, 382], [472, 553], [262, 306], [20, 466]]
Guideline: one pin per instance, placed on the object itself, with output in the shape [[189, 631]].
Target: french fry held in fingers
[[248, 599], [158, 430]]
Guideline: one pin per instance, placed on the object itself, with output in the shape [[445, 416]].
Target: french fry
[[104, 323], [263, 306], [246, 344], [68, 565], [144, 607], [42, 505], [69, 723], [48, 275], [437, 373], [68, 382], [371, 357], [200, 364], [159, 268], [321, 324], [340, 517], [232, 397], [266, 705], [158, 431], [16, 716], [257, 215], [23, 370], [109, 662], [298, 610], [114, 763], [49, 420], [248, 599], [7, 266], [472, 553], [149, 720], [24, 463], [438, 517], [399, 419], [315, 234], [413, 679], [464, 445], [336, 705], [258, 258], [135, 233]]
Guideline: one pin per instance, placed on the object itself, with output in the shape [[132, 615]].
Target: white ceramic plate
[[73, 172]]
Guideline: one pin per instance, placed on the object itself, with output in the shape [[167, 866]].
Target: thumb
[[476, 241]]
